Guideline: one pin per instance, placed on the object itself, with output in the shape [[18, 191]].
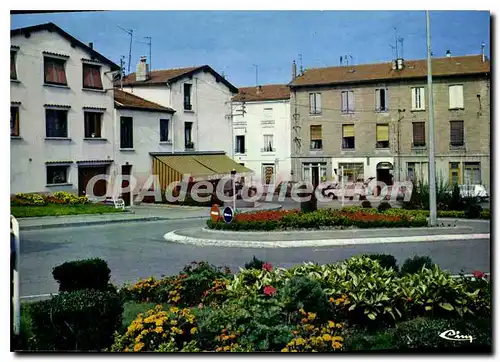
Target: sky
[[234, 42]]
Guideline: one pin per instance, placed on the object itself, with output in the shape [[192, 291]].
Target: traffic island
[[320, 238]]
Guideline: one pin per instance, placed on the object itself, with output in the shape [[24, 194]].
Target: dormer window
[[92, 76], [54, 72]]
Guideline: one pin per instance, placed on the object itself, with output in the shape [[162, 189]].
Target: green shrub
[[306, 293], [83, 320], [366, 204], [386, 260], [82, 274], [415, 264], [383, 206], [21, 199], [362, 340], [473, 211], [254, 264], [485, 214]]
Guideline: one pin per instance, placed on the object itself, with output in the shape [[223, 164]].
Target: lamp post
[[233, 177]]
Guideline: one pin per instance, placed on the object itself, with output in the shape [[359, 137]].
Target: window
[[418, 98], [456, 96], [472, 173], [316, 139], [164, 123], [455, 173], [54, 71], [457, 133], [315, 103], [381, 100], [56, 122], [240, 144], [352, 172], [93, 123], [268, 143], [126, 132], [57, 175], [316, 171], [347, 98], [92, 76], [418, 134], [188, 142], [348, 136], [411, 171], [268, 114], [13, 71], [187, 96], [14, 121], [382, 136]]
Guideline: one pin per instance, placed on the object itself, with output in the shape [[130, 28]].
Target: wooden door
[[85, 174]]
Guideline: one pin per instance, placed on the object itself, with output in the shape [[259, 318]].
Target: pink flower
[[269, 290], [267, 266], [478, 274]]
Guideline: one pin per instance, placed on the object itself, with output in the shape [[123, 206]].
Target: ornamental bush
[[385, 260], [82, 274], [383, 206], [415, 264], [82, 320], [366, 204]]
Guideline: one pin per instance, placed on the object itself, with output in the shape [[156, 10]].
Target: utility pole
[[432, 162], [131, 33], [149, 44], [122, 61]]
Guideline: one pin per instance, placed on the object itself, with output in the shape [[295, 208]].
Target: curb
[[103, 222], [176, 238]]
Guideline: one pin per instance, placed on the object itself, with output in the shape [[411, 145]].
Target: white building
[[199, 95], [62, 110], [261, 124]]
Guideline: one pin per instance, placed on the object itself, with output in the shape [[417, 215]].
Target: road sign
[[228, 214], [215, 213]]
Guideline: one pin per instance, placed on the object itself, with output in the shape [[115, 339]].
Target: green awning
[[221, 164], [186, 165]]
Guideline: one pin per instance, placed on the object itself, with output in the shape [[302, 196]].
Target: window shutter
[[87, 76], [386, 98], [457, 133], [382, 133], [344, 101], [414, 98], [315, 133], [311, 103], [456, 96], [97, 82], [318, 102], [348, 130], [350, 101], [422, 98], [377, 100], [419, 133]]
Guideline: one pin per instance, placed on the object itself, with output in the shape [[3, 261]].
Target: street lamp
[[233, 177]]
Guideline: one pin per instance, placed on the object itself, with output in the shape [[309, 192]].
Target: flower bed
[[294, 219], [307, 308]]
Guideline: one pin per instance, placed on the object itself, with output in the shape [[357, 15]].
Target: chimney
[[91, 45], [294, 70], [400, 63], [259, 89], [448, 53], [141, 73], [482, 52]]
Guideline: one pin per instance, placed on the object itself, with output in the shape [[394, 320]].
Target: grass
[[61, 210]]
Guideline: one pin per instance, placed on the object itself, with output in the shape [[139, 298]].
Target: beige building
[[372, 120]]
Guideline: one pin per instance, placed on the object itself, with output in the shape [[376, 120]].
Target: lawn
[[60, 210]]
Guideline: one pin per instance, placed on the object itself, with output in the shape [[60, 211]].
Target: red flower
[[409, 299], [478, 274], [269, 290], [267, 266]]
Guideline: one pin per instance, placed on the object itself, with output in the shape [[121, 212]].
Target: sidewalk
[[141, 213]]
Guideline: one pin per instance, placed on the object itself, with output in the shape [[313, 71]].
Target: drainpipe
[[399, 143], [197, 111]]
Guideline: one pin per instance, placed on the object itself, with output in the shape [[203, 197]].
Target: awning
[[221, 164], [186, 165]]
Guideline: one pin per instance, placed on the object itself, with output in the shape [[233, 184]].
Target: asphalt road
[[137, 250]]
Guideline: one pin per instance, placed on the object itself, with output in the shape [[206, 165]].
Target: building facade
[[261, 124], [372, 121], [202, 101], [62, 110]]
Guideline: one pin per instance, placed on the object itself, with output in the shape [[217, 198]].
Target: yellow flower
[[309, 327], [300, 341], [138, 338], [327, 337], [225, 338], [173, 322], [159, 322], [311, 315], [227, 348], [193, 330], [176, 299], [174, 309], [218, 349], [336, 345], [337, 338], [284, 350], [144, 332], [338, 325], [138, 347], [185, 311], [302, 311], [159, 329], [331, 324]]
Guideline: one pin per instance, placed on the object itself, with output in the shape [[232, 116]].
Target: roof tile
[[129, 100], [158, 76], [263, 93]]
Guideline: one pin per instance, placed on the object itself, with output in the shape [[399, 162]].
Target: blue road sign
[[228, 214]]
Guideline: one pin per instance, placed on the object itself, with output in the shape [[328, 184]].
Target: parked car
[[476, 191]]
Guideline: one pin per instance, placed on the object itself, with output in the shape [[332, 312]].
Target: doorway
[[126, 196], [384, 173], [85, 174]]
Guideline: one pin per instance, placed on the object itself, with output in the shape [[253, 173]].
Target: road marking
[[176, 238]]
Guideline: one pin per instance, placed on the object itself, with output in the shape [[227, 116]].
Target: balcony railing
[[268, 149]]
